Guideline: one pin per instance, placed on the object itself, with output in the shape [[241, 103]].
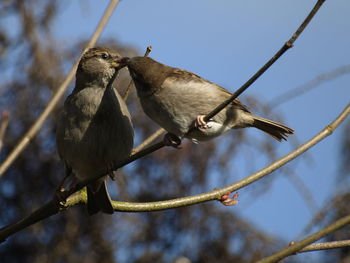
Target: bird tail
[[98, 198], [274, 129]]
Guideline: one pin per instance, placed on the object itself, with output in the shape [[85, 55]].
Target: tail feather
[[98, 199], [274, 129]]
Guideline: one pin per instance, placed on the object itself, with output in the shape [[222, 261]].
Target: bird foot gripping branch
[[172, 140], [200, 123]]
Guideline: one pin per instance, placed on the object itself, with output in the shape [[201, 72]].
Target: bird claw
[[200, 123], [110, 171], [227, 200], [172, 140], [61, 193], [61, 197]]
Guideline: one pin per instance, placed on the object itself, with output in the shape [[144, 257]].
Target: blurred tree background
[[32, 65]]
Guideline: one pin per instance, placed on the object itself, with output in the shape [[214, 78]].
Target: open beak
[[119, 62]]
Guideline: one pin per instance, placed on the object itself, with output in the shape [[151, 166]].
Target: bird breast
[[95, 131]]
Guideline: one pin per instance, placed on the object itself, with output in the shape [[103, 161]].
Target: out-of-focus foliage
[[33, 65]]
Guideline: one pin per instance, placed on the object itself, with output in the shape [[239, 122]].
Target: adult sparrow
[[177, 100], [95, 129]]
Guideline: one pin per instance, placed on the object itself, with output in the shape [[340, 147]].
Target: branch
[[261, 71], [214, 195], [284, 48], [153, 206], [60, 91], [47, 210], [128, 89], [325, 245], [54, 206], [149, 140], [3, 126], [314, 83], [294, 248]]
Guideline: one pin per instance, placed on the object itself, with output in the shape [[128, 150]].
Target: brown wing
[[189, 76]]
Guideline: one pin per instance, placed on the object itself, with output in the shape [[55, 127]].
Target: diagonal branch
[[308, 86], [54, 206], [214, 195], [261, 71], [149, 140], [3, 126], [60, 91], [325, 245], [161, 144], [295, 247], [128, 89]]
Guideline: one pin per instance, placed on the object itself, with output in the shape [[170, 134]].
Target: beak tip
[[120, 62], [123, 60]]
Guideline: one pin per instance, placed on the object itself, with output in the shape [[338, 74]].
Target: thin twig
[[295, 247], [303, 190], [161, 144], [279, 53], [60, 91], [54, 206], [325, 245], [128, 89], [3, 126], [284, 48], [149, 140], [213, 195], [315, 82], [47, 210]]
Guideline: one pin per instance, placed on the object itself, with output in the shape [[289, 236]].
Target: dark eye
[[105, 56]]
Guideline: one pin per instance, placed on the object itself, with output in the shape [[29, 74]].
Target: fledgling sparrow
[[95, 128], [177, 100]]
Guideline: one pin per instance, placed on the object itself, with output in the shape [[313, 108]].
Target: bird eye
[[105, 56]]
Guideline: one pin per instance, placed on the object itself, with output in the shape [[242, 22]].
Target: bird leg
[[227, 200], [60, 187], [200, 123], [68, 172], [172, 140], [61, 194], [110, 171]]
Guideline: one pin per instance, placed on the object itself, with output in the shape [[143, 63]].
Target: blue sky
[[226, 42]]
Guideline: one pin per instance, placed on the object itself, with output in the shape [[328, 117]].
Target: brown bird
[[177, 100], [95, 127]]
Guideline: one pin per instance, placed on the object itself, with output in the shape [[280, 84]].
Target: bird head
[[98, 65]]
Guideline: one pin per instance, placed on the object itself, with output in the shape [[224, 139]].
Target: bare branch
[[320, 79], [60, 91], [214, 195], [325, 245], [303, 190], [149, 140], [3, 126], [261, 71], [161, 144], [297, 246], [54, 206], [128, 89], [47, 210]]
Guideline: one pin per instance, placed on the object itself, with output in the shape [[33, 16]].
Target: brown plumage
[[95, 127], [174, 98]]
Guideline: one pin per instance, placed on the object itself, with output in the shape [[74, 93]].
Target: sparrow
[[94, 129], [178, 100]]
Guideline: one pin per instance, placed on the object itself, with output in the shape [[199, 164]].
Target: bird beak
[[119, 63]]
